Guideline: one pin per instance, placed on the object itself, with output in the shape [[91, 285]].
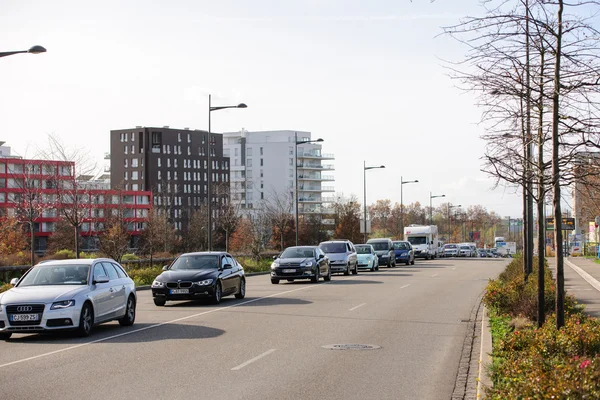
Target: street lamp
[[450, 220], [402, 183], [430, 207], [365, 168], [296, 174], [32, 50], [208, 192]]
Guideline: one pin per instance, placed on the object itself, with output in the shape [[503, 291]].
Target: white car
[[68, 294]]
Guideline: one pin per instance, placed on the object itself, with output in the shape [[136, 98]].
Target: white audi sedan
[[68, 294]]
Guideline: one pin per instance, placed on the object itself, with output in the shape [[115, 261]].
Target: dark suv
[[384, 248], [342, 256]]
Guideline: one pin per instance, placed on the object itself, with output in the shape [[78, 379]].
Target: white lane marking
[[250, 361], [405, 286], [354, 308], [588, 278], [454, 268], [434, 275], [161, 324]]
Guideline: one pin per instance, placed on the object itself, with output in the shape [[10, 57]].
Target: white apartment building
[[264, 165]]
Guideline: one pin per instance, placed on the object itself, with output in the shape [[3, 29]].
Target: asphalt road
[[270, 344]]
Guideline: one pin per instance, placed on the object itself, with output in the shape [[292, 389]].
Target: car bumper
[[298, 273], [403, 257], [339, 267], [194, 292], [452, 254], [383, 260], [365, 264], [47, 320]]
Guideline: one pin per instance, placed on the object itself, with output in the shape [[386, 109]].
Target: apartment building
[[44, 187], [173, 165], [264, 164]]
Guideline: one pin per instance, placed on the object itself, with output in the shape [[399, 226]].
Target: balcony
[[315, 177], [316, 167], [315, 155], [315, 200], [315, 188]]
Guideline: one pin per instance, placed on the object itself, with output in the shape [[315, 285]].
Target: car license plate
[[180, 291], [288, 271], [24, 317]]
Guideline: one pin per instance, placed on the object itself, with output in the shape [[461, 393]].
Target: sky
[[369, 77]]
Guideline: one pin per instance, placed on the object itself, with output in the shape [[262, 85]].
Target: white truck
[[424, 240], [506, 249]]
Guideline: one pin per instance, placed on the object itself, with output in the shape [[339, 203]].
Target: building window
[[158, 161], [134, 163], [134, 176], [291, 161], [126, 149], [261, 162], [179, 136], [249, 151], [126, 162], [262, 196], [125, 175], [249, 162]]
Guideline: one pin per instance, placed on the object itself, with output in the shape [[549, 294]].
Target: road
[[270, 344]]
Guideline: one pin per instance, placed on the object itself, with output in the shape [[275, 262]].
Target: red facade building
[[43, 192]]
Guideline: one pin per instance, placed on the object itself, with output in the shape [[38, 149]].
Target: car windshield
[[333, 247], [57, 274], [202, 261], [297, 252], [363, 249], [380, 246], [450, 246], [401, 246], [417, 240], [465, 248]]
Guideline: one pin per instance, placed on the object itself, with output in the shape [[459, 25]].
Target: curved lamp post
[[430, 207], [402, 183], [208, 191], [32, 50], [365, 168], [296, 175]]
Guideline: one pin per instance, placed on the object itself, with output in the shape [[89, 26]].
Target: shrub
[[5, 287], [144, 276], [63, 254], [129, 257], [19, 258], [252, 265]]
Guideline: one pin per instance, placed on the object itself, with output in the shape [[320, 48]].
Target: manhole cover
[[351, 347]]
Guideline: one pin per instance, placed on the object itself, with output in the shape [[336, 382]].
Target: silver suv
[[342, 256]]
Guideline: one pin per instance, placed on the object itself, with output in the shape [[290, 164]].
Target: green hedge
[[538, 363]]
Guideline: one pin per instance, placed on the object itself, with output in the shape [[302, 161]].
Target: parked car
[[342, 256], [192, 276], [384, 248], [481, 253], [403, 252], [300, 262], [450, 250], [464, 250], [68, 295], [367, 259]]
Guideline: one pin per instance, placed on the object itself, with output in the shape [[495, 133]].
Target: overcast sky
[[366, 76]]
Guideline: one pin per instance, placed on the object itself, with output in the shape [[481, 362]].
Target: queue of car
[[79, 294]]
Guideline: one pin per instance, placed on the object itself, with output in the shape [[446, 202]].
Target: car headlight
[[306, 264], [59, 305], [204, 282], [275, 265], [158, 284]]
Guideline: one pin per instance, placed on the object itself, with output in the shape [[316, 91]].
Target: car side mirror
[[275, 257], [14, 281], [320, 256], [227, 266], [165, 267], [101, 279]]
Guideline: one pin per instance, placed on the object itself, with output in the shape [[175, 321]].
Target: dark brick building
[[172, 163]]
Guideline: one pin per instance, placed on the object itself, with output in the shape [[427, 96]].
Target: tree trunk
[[540, 201], [77, 241], [558, 236], [32, 241]]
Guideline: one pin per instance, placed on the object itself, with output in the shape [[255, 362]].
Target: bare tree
[[279, 207]]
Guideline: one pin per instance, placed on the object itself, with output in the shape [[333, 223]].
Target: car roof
[[336, 241], [400, 241], [379, 240], [74, 261], [301, 247], [199, 253]]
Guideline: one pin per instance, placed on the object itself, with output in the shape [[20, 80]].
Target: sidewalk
[[582, 280]]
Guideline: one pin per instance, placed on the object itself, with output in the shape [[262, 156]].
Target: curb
[[148, 287], [485, 358]]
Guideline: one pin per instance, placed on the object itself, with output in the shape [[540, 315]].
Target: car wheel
[[5, 335], [274, 281], [86, 320], [373, 267], [377, 267], [347, 270], [242, 292], [129, 317], [315, 278], [159, 302], [327, 277], [355, 270], [216, 299]]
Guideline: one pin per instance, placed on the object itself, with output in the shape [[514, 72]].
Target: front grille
[[16, 309], [177, 285]]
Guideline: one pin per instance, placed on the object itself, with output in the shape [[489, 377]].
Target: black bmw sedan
[[301, 262], [192, 276]]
